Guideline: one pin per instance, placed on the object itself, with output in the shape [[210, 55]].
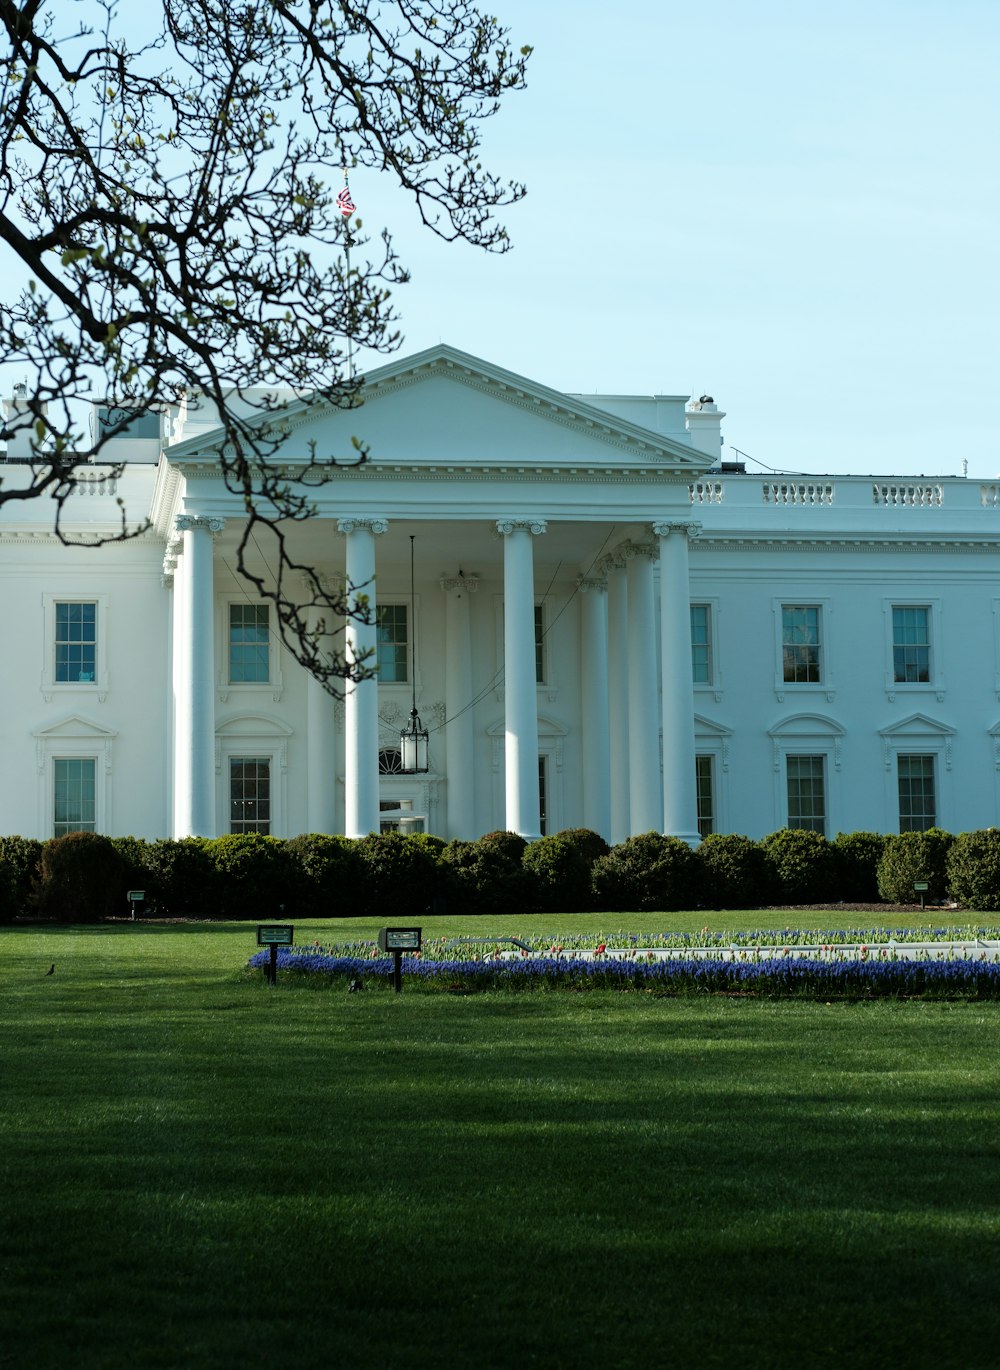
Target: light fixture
[[413, 738]]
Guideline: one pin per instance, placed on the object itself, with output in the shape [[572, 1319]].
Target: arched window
[[390, 761]]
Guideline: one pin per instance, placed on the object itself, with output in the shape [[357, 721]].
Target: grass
[[197, 1171]]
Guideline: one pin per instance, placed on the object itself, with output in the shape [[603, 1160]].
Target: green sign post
[[275, 935], [398, 940]]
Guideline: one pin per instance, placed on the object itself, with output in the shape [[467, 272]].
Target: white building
[[613, 631]]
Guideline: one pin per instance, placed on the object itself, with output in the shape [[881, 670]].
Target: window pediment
[[74, 726], [806, 725], [918, 725]]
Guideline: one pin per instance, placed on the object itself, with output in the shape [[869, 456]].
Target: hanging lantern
[[413, 745]]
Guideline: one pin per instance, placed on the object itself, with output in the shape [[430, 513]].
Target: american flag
[[344, 202]]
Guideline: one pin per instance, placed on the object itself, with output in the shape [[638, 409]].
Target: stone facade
[[613, 630]]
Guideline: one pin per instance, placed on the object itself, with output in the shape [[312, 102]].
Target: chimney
[[16, 412], [703, 420]]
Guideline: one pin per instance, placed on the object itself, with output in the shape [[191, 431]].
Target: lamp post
[[413, 738]]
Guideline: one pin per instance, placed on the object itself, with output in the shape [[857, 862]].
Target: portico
[[571, 545]]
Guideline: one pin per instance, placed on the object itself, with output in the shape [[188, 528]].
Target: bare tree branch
[[171, 195]]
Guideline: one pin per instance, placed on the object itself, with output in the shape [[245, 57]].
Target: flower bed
[[969, 973]]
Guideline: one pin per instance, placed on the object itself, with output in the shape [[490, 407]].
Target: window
[[541, 797], [800, 660], [76, 642], [806, 793], [911, 644], [249, 644], [704, 790], [917, 800], [539, 645], [701, 644], [392, 640], [75, 793], [390, 761], [250, 794]]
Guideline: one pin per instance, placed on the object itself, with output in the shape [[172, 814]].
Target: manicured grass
[[198, 1171]]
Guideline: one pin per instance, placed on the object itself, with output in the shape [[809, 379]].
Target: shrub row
[[84, 876]]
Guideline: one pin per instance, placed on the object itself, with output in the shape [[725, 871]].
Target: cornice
[[794, 542], [87, 541], [166, 495], [466, 475]]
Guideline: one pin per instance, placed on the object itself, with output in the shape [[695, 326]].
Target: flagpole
[[346, 206]]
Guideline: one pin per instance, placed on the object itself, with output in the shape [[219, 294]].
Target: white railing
[[707, 492], [908, 496], [804, 493], [95, 485], [989, 496]]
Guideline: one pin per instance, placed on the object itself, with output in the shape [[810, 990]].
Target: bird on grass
[[52, 969]]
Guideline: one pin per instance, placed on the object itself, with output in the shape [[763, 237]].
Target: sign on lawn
[[399, 939], [275, 935]]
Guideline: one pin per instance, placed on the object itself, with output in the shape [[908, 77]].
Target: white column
[[680, 802], [596, 731], [645, 807], [194, 749], [618, 695], [459, 736], [361, 701], [520, 686], [321, 739], [173, 572]]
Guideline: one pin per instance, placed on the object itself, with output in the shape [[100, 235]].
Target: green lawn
[[201, 1172]]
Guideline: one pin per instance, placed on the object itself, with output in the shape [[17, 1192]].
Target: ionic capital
[[663, 530], [586, 583], [375, 526], [507, 526], [187, 523]]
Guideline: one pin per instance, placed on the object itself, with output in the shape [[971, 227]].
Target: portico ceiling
[[440, 548]]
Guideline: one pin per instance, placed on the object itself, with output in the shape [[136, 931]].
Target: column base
[[693, 839]]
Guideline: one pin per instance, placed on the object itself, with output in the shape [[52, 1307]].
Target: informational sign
[[275, 935], [398, 940], [135, 897]]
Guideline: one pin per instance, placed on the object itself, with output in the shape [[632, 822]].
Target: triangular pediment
[[443, 409], [917, 725], [74, 726], [705, 727]]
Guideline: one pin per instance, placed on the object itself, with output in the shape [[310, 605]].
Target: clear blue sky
[[792, 206]]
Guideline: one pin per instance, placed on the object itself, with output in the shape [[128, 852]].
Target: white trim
[[712, 739], [918, 735], [825, 685], [808, 734], [74, 738], [50, 687], [274, 685], [253, 735], [936, 684], [714, 685]]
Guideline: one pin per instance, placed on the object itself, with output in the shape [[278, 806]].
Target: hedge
[[85, 876]]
